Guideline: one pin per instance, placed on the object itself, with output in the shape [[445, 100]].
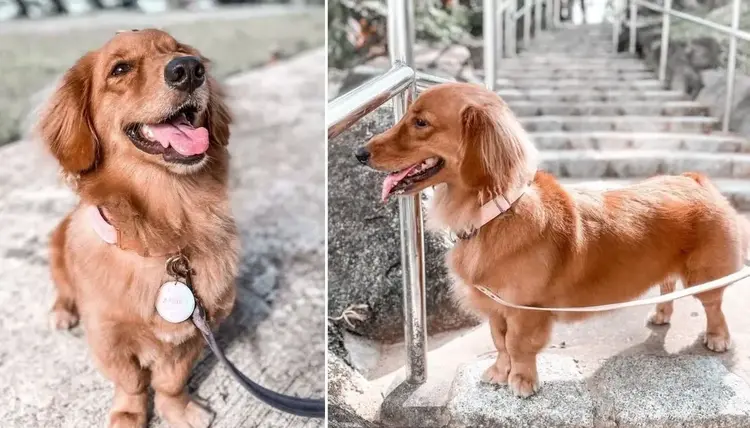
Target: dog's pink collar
[[100, 225], [492, 209]]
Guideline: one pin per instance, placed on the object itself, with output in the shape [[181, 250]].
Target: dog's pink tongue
[[181, 135], [392, 180]]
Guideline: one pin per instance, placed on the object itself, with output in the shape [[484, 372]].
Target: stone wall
[[697, 57]]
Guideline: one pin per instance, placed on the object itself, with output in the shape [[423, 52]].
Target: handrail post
[[511, 32], [400, 44], [489, 13], [633, 26], [549, 9], [616, 25], [499, 34], [537, 17], [526, 23], [731, 66], [666, 20], [557, 11]]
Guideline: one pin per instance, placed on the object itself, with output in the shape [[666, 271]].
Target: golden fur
[[555, 247], [157, 207]]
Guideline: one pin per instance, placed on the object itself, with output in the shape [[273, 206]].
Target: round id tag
[[175, 302]]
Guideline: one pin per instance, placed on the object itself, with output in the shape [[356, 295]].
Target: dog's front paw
[[717, 342], [193, 415], [127, 420], [198, 416], [62, 319], [496, 376], [523, 385]]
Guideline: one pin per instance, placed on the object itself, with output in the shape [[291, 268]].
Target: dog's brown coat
[[556, 247], [157, 208]]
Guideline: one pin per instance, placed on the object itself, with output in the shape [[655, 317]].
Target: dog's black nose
[[185, 73], [362, 155]]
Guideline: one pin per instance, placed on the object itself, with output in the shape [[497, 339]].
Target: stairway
[[601, 120], [604, 120]]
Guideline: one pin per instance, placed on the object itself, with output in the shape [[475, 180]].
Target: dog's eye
[[120, 68], [421, 123]]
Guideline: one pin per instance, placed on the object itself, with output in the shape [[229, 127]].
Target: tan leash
[[664, 298]]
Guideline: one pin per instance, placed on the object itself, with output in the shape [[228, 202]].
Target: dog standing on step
[[533, 242], [141, 131]]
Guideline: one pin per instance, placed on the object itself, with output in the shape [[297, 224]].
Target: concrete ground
[[611, 370], [33, 54], [275, 334]]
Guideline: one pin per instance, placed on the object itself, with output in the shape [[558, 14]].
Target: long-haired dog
[[140, 130], [548, 246]]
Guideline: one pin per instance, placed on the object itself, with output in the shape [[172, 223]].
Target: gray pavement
[[276, 333]]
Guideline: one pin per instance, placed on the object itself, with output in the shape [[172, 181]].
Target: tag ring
[[177, 266]]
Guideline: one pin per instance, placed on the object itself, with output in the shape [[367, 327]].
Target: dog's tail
[[702, 180], [743, 223]]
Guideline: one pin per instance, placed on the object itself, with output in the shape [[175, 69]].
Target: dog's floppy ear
[[495, 149], [65, 126], [218, 116]]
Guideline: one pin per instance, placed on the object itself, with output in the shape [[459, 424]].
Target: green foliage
[[357, 28]]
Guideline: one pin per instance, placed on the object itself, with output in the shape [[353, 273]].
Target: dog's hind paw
[[522, 386], [62, 319], [659, 318], [716, 342]]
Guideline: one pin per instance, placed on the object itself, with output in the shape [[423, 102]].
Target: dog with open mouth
[[535, 243], [140, 130]]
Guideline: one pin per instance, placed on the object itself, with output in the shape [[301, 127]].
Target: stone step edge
[[596, 155], [569, 398], [576, 81], [620, 118], [627, 103], [640, 135], [502, 92]]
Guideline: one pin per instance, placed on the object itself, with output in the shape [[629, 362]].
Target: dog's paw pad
[[495, 376], [522, 386], [198, 416], [716, 342], [658, 318], [62, 319]]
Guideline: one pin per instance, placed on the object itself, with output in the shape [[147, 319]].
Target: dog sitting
[[140, 130], [533, 242]]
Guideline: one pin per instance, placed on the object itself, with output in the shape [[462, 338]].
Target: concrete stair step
[[620, 123], [599, 108], [547, 74], [672, 141], [543, 95], [572, 51], [564, 59], [594, 164], [605, 371], [621, 84], [555, 68], [736, 190]]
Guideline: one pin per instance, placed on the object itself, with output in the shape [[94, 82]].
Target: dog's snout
[[362, 155], [185, 73]]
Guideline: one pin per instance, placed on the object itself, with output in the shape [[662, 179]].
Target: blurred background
[[269, 57], [36, 47], [357, 46]]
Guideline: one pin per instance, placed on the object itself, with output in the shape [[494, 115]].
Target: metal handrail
[[348, 109], [401, 84], [667, 12]]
